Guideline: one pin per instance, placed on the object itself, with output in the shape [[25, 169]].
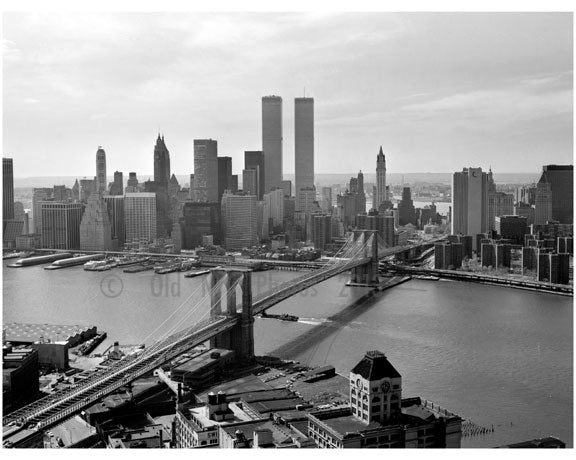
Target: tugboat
[[282, 317], [196, 273]]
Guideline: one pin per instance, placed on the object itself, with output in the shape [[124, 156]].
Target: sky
[[438, 91]]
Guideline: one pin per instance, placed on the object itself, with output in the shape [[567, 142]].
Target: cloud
[[98, 116]]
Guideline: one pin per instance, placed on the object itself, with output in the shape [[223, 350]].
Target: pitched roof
[[375, 366]]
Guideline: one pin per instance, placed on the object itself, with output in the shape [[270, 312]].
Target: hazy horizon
[[437, 90]]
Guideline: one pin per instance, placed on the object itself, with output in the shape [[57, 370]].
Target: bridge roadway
[[58, 406]]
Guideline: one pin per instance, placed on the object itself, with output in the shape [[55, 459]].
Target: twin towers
[[272, 137]]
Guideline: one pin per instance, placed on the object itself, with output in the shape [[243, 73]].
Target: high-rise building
[[470, 202], [239, 221], [272, 141], [274, 208], [132, 184], [321, 231], [255, 160], [76, 191], [250, 181], [304, 143], [38, 196], [346, 209], [488, 254], [87, 187], [553, 268], [205, 170], [161, 162], [115, 207], [117, 187], [530, 257], [305, 199], [543, 205], [7, 189], [287, 186], [101, 180], [326, 199], [95, 226], [224, 175], [448, 256], [59, 193], [406, 210], [561, 180], [380, 179], [61, 224], [234, 183], [512, 228], [173, 187], [499, 203], [200, 220], [140, 216], [526, 194]]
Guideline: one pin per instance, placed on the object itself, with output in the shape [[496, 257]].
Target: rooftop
[[375, 366]]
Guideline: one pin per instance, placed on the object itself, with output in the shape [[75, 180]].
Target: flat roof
[[196, 363], [30, 333]]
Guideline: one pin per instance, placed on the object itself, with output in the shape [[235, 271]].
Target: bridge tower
[[366, 274], [241, 337]]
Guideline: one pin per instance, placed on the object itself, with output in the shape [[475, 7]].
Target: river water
[[494, 355]]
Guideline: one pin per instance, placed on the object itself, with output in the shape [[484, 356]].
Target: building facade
[[239, 220], [380, 179], [101, 180], [304, 143], [61, 224], [95, 227], [255, 160], [140, 215], [205, 170], [272, 141], [7, 189]]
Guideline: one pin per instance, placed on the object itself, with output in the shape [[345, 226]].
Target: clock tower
[[375, 389]]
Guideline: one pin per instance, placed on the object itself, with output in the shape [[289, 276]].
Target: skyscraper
[[239, 221], [205, 170], [561, 180], [304, 143], [161, 162], [543, 205], [95, 226], [117, 187], [115, 207], [406, 211], [250, 181], [7, 189], [380, 179], [140, 215], [274, 208], [224, 175], [132, 184], [61, 224], [272, 141], [200, 219], [470, 202], [101, 181], [255, 160]]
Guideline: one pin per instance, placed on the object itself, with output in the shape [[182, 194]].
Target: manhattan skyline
[[485, 88]]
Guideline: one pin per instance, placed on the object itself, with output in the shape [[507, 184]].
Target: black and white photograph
[[287, 226]]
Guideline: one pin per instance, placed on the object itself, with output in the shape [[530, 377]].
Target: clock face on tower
[[386, 387], [359, 384]]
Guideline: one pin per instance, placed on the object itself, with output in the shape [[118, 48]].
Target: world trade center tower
[[272, 141]]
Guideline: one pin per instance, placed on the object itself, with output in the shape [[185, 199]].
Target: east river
[[494, 355]]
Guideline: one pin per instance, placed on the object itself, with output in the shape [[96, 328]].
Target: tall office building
[[272, 141], [140, 216], [326, 199], [160, 187], [200, 220], [305, 200], [287, 187], [224, 175], [87, 187], [7, 189], [38, 196], [250, 181], [205, 170], [61, 224], [76, 191], [303, 143], [95, 226], [239, 221], [406, 210], [115, 207], [561, 180], [132, 184], [274, 208], [321, 231], [101, 180], [380, 179], [543, 199], [117, 187], [173, 187], [161, 162], [255, 160], [470, 202]]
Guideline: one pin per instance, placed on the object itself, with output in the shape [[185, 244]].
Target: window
[[375, 408], [365, 406], [353, 391], [396, 387], [365, 417], [375, 399], [353, 400]]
